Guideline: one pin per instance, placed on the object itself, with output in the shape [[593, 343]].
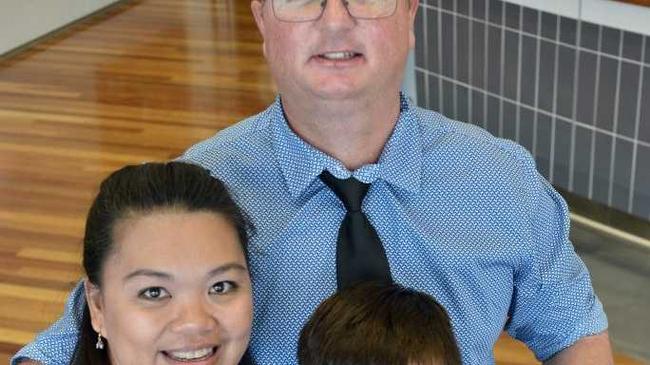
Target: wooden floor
[[140, 81]]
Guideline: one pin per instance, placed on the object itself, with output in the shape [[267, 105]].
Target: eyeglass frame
[[323, 5]]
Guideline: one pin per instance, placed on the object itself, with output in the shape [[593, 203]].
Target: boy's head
[[374, 324]]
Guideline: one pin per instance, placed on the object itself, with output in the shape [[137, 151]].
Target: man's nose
[[336, 13], [194, 317]]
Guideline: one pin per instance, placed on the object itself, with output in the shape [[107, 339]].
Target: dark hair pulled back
[[138, 190]]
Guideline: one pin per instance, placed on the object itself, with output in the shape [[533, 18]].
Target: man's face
[[337, 56]]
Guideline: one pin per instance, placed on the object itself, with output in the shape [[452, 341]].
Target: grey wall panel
[[620, 190], [546, 82], [448, 99], [433, 45], [478, 54], [447, 46], [478, 107], [511, 65], [509, 121], [565, 95], [568, 31], [462, 103], [495, 11], [494, 59], [574, 93], [632, 46], [513, 16], [587, 77], [590, 36], [641, 202], [462, 50], [527, 128], [543, 144], [606, 93], [549, 26], [420, 45], [644, 122], [493, 115], [562, 154], [479, 9], [530, 20], [420, 80], [462, 7], [602, 167], [610, 41], [628, 99], [434, 92], [582, 153], [528, 70]]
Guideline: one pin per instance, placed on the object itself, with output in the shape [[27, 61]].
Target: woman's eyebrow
[[148, 272], [227, 267], [233, 266]]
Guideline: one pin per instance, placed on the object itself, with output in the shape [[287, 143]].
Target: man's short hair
[[375, 324]]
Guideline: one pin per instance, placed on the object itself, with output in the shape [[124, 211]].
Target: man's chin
[[339, 91]]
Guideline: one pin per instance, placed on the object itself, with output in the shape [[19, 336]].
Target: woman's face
[[175, 290]]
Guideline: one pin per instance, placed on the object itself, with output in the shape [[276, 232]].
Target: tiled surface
[[576, 94]]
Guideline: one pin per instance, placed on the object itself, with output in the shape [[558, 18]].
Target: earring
[[100, 343]]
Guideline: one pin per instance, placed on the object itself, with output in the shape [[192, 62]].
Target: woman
[[167, 274]]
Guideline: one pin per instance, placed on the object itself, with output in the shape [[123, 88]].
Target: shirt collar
[[301, 163]]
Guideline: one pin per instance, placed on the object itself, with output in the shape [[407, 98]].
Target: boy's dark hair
[[139, 190], [375, 324]]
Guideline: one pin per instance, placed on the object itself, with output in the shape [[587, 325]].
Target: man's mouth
[[191, 355], [339, 56]]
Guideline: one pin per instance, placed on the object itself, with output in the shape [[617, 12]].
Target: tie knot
[[350, 191]]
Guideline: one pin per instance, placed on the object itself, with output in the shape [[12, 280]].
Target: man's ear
[[413, 9], [95, 305], [257, 7]]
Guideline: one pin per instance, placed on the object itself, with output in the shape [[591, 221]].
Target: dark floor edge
[[606, 216]]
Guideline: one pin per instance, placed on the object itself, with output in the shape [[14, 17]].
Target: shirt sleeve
[[56, 345], [554, 304]]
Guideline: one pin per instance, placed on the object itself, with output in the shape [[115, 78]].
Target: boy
[[380, 325]]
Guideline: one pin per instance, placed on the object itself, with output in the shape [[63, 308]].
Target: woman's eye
[[222, 287], [154, 293]]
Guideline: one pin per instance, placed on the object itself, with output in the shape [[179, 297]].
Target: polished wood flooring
[[140, 81]]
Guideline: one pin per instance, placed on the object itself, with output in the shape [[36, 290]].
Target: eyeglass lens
[[306, 10]]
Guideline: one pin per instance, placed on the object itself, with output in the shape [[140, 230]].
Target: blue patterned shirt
[[463, 216]]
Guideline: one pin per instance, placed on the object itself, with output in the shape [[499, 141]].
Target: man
[[460, 214]]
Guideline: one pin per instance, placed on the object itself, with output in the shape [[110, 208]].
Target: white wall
[[22, 21], [634, 18], [569, 8], [615, 14]]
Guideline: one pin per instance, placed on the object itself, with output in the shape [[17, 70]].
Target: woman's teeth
[[338, 55], [192, 355]]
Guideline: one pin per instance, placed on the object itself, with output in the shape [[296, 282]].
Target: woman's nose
[[194, 316]]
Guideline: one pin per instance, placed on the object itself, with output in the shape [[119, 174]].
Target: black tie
[[360, 255]]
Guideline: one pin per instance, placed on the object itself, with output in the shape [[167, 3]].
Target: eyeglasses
[[308, 10]]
